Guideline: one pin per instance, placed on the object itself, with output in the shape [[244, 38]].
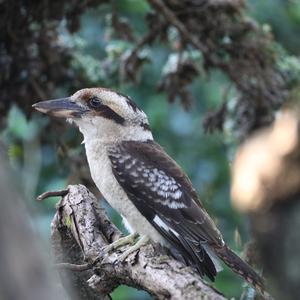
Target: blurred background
[[46, 154]]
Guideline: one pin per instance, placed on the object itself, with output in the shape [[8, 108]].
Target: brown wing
[[164, 195]]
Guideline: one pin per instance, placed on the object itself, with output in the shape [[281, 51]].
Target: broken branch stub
[[80, 230]]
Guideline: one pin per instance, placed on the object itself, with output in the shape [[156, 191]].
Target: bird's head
[[100, 114]]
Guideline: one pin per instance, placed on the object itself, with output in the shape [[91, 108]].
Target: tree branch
[[171, 17], [80, 230], [235, 44]]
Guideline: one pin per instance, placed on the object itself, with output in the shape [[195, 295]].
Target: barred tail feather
[[240, 267]]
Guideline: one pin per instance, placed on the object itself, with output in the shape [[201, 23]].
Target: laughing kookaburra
[[147, 187]]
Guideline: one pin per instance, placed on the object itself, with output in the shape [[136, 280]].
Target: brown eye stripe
[[106, 112], [103, 110]]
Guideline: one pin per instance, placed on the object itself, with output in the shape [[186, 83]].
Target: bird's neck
[[96, 142], [108, 140], [108, 132], [97, 148]]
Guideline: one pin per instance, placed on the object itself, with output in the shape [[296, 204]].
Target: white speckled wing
[[165, 197]]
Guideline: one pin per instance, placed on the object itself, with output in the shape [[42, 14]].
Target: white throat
[[107, 132]]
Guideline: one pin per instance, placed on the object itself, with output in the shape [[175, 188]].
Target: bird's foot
[[141, 242], [129, 239]]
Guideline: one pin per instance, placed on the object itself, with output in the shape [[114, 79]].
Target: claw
[[130, 239], [141, 242]]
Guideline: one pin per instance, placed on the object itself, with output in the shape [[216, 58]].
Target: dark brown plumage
[[162, 192]]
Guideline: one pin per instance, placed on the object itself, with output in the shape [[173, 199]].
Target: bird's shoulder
[[147, 164], [161, 191]]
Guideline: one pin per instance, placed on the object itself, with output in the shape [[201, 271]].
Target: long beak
[[64, 108]]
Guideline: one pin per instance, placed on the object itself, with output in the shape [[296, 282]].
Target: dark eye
[[94, 102]]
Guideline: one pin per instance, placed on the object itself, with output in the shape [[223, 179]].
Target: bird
[[151, 192]]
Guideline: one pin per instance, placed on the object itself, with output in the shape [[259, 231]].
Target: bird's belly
[[118, 199], [114, 194]]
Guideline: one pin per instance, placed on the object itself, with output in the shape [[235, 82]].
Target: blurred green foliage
[[205, 158]]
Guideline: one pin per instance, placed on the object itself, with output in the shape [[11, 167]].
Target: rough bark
[[80, 230]]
